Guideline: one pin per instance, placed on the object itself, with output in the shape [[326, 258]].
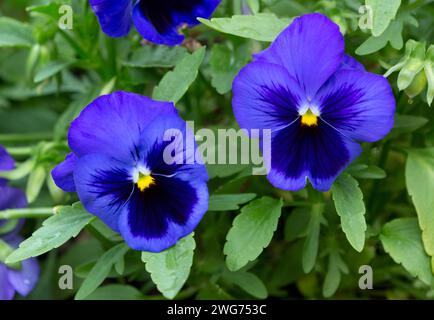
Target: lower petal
[[332, 159], [318, 153], [157, 218]]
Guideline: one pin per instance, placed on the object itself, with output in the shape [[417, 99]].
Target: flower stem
[[26, 213], [23, 137], [20, 151]]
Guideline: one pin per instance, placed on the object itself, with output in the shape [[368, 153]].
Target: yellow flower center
[[309, 119], [144, 182]]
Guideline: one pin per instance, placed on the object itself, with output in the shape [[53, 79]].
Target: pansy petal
[[349, 63], [7, 291], [63, 174], [158, 28], [114, 16], [322, 175], [188, 11], [157, 218], [11, 234], [6, 161], [311, 49], [159, 22], [172, 150], [11, 198], [360, 105], [104, 185], [265, 96], [299, 152], [24, 280], [113, 125]]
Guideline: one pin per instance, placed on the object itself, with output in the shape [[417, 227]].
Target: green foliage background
[[256, 241]]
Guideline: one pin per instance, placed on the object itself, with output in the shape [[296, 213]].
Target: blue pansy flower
[[317, 101], [131, 168], [12, 280], [158, 21]]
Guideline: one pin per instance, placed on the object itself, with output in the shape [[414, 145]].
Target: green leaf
[[67, 222], [225, 65], [383, 13], [101, 270], [261, 27], [156, 57], [227, 202], [367, 172], [311, 243], [14, 33], [170, 269], [50, 70], [252, 231], [176, 83], [51, 10], [336, 267], [297, 223], [105, 231], [419, 175], [36, 181], [349, 205], [249, 282], [401, 238], [429, 72], [393, 34], [406, 124], [116, 292]]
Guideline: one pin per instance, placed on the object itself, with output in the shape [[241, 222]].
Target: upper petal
[[159, 22], [360, 105], [114, 16], [113, 125], [265, 96], [311, 49], [63, 173]]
